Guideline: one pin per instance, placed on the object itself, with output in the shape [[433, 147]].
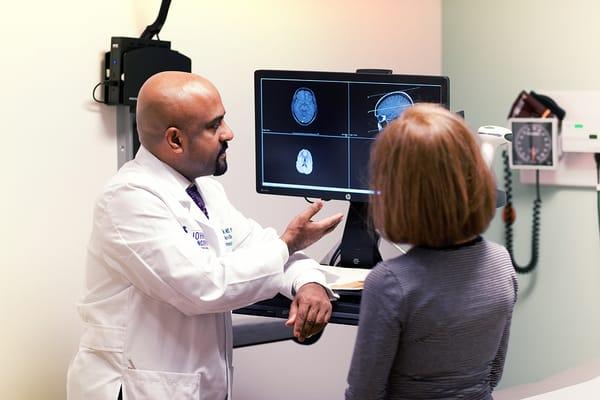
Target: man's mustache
[[224, 147]]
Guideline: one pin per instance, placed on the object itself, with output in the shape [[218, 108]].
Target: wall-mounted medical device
[[552, 145], [582, 136], [535, 143], [127, 65], [492, 138], [579, 140], [131, 61], [534, 120], [581, 128]]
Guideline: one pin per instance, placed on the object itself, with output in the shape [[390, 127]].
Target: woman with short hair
[[434, 323]]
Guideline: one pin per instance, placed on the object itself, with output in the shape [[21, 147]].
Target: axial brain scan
[[390, 106], [304, 162], [304, 106]]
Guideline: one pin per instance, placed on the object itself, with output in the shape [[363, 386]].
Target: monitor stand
[[360, 243]]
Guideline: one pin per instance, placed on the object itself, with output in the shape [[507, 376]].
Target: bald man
[[170, 257]]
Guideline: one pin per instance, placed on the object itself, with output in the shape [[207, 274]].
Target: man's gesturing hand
[[310, 311], [301, 232]]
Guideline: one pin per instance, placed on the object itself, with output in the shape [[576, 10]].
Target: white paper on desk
[[338, 276], [585, 390]]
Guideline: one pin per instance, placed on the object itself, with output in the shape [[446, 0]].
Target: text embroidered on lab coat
[[228, 236], [198, 236]]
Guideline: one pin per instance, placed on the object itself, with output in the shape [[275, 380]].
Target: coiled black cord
[[509, 218]]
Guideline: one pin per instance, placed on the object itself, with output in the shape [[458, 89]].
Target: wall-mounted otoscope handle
[[492, 137]]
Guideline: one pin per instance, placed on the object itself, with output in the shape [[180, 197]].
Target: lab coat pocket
[[158, 385]]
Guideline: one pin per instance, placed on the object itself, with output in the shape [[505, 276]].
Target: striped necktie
[[192, 190]]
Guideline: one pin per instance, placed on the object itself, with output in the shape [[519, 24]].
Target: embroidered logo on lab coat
[[228, 236], [198, 236]]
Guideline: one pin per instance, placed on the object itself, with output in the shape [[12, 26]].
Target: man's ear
[[174, 139]]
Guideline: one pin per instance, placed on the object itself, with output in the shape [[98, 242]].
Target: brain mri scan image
[[390, 106], [304, 106], [304, 162]]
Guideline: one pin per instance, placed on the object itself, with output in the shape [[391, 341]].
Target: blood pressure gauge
[[534, 144]]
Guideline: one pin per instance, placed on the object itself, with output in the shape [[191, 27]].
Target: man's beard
[[221, 165]]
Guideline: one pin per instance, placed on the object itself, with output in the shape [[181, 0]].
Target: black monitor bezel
[[443, 81]]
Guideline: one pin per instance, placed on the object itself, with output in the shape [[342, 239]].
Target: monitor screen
[[314, 130]]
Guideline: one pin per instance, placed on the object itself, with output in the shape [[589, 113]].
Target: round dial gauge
[[532, 145]]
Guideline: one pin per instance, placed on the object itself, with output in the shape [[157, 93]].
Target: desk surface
[[344, 311]]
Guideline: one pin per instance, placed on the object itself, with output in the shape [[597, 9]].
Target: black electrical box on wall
[[131, 61]]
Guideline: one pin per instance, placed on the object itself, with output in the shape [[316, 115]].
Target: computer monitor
[[314, 132]]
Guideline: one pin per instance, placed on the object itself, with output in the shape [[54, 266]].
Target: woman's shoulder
[[400, 271], [496, 251], [493, 245], [405, 265], [382, 287]]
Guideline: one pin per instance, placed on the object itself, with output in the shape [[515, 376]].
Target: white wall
[[492, 50], [60, 147]]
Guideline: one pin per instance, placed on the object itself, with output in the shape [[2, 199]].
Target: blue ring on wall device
[[304, 106], [390, 106]]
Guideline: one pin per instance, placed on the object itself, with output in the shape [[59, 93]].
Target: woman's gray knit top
[[434, 324]]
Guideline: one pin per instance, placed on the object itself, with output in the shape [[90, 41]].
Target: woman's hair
[[431, 184]]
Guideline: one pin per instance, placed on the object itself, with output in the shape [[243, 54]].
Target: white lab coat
[[161, 280]]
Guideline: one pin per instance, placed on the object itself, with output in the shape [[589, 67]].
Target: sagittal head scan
[[390, 106], [304, 162], [304, 106]]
